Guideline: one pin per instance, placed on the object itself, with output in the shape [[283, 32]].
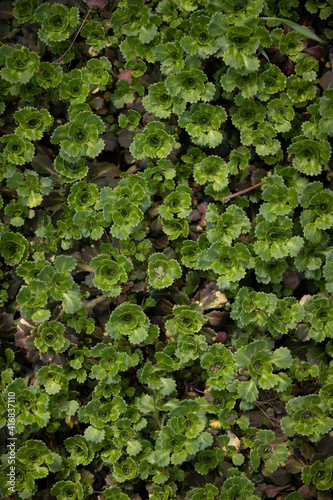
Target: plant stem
[[77, 34], [243, 191]]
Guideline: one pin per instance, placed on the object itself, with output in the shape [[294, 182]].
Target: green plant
[[166, 249]]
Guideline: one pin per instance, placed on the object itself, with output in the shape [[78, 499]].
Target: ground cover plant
[[166, 319]]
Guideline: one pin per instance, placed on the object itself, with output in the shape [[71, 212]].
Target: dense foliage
[[166, 316]]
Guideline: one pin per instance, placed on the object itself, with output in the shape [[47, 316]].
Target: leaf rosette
[[319, 314], [202, 123], [275, 240], [53, 378], [74, 86], [177, 203], [110, 273], [18, 150], [49, 75], [248, 113], [129, 320], [67, 490], [239, 46], [160, 102], [50, 336], [190, 86], [170, 55], [13, 248], [32, 122], [58, 22], [83, 196], [186, 320], [24, 10], [320, 474], [309, 155], [152, 142], [71, 171], [20, 64], [79, 449], [162, 272], [246, 82], [230, 263], [308, 417], [94, 32], [213, 170], [99, 71], [80, 137]]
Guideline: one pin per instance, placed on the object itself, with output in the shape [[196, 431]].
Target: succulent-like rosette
[[248, 113], [237, 485], [53, 378], [186, 320], [275, 239], [129, 319], [83, 196], [240, 44], [74, 86], [229, 262], [308, 417], [57, 22], [237, 8], [280, 113], [20, 64], [245, 81], [190, 252], [71, 171], [320, 474], [175, 228], [32, 122], [218, 361], [290, 44], [99, 71], [177, 203], [110, 273], [310, 155], [227, 226], [270, 82], [50, 336], [125, 470], [212, 170], [202, 123], [170, 55], [67, 490], [79, 449], [24, 10], [152, 142], [95, 35], [18, 150], [13, 248], [190, 86], [33, 299], [162, 272], [160, 102], [201, 40], [36, 452], [319, 315], [300, 90], [263, 138], [33, 404], [79, 137], [125, 217], [49, 75]]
